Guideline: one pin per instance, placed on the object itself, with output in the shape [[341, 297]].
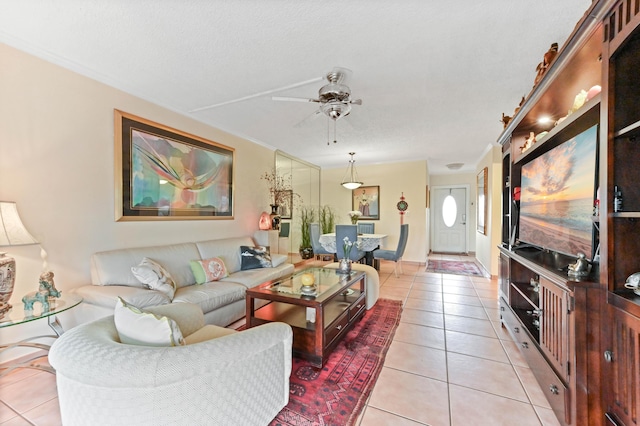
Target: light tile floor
[[450, 363]]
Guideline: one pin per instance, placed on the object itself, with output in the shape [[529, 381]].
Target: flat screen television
[[557, 196]]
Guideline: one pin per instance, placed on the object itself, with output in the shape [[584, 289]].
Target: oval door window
[[449, 211]]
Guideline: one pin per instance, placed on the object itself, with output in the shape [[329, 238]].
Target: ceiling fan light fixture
[[350, 179], [335, 109]]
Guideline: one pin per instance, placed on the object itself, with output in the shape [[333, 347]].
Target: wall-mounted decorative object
[[427, 195], [481, 200], [165, 174], [367, 200], [402, 207]]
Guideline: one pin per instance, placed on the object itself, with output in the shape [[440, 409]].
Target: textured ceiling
[[434, 76]]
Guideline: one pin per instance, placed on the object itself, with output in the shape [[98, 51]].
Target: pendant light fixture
[[350, 179]]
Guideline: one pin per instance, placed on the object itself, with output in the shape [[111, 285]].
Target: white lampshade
[[12, 231]]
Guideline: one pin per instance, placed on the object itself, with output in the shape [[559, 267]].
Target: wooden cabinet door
[[622, 371], [554, 334]]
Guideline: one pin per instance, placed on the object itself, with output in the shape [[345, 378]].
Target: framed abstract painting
[[165, 174]]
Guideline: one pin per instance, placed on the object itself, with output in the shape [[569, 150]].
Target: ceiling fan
[[334, 98]]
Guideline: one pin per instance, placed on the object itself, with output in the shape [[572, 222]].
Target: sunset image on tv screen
[[556, 205]]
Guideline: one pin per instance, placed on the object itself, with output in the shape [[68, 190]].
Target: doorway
[[450, 213]]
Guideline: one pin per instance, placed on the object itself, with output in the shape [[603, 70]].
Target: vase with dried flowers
[[280, 193]]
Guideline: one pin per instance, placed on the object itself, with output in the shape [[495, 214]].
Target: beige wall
[[487, 245], [393, 179], [56, 162]]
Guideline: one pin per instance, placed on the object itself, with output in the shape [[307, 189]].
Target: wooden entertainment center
[[581, 336]]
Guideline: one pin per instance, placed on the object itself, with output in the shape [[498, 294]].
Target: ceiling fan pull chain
[[334, 132], [328, 131]]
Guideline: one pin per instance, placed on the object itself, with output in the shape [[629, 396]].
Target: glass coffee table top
[[325, 281]]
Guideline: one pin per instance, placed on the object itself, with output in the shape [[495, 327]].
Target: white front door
[[449, 220]]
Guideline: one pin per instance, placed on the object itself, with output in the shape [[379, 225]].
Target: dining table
[[367, 242]]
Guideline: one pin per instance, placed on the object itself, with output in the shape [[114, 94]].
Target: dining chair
[[318, 250], [395, 255], [366, 228], [350, 231]]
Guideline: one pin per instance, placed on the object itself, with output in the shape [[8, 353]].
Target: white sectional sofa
[[240, 378], [222, 302]]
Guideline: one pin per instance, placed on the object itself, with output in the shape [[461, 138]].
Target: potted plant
[[327, 218], [307, 216]]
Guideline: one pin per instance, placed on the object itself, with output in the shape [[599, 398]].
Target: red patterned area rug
[[336, 394], [460, 267]]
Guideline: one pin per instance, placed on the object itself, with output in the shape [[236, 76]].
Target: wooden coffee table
[[318, 320]]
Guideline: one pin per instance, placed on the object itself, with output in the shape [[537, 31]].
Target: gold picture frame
[[481, 201], [165, 174]]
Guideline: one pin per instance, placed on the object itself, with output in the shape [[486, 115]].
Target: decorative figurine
[[580, 268], [505, 120], [46, 290], [546, 62], [519, 106], [529, 142]]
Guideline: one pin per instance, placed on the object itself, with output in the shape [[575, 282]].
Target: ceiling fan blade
[[285, 98], [356, 102], [256, 95], [308, 119]]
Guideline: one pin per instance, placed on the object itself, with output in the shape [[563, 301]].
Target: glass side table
[[17, 315]]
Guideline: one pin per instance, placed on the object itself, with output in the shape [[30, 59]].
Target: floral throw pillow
[[153, 276], [255, 257], [207, 270]]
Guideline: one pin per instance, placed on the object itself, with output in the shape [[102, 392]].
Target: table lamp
[[12, 233]]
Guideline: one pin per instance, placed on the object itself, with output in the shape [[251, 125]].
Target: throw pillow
[[254, 257], [137, 327], [278, 259], [152, 275], [212, 269]]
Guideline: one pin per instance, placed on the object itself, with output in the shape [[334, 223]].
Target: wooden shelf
[[576, 67], [566, 123]]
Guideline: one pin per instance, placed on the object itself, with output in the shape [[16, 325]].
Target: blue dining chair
[[350, 231], [395, 255], [318, 250], [366, 228]]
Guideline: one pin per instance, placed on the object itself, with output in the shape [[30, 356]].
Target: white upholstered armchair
[[239, 378]]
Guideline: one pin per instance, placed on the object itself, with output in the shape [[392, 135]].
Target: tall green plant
[[307, 216], [327, 219]]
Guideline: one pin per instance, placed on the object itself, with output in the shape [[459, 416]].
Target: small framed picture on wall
[[366, 199]]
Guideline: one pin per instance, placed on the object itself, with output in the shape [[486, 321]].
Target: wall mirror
[[305, 182]]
